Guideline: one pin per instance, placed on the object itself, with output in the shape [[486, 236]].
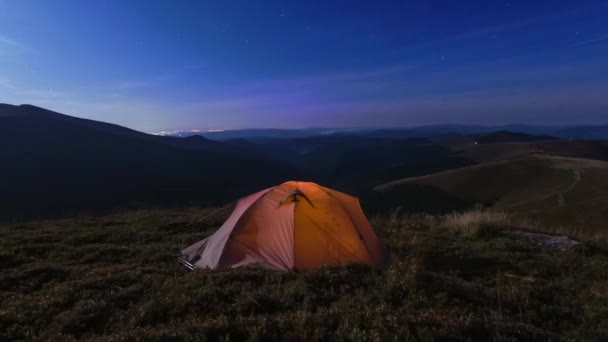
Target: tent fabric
[[296, 225]]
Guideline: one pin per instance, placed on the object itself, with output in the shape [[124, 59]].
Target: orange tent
[[296, 225]]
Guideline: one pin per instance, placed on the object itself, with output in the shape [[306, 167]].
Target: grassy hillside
[[560, 191], [465, 147], [452, 278]]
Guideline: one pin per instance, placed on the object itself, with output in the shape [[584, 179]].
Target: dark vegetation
[[116, 278], [357, 163], [415, 198]]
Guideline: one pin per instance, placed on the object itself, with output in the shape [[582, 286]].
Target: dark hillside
[[506, 136], [557, 191], [54, 163], [591, 149], [583, 132], [501, 146], [356, 163]]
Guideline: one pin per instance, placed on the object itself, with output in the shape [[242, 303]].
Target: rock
[[550, 242]]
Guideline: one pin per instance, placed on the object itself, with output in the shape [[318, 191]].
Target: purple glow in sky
[[167, 65]]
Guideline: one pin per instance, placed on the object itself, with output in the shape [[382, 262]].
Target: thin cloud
[[133, 84], [465, 107], [31, 95], [195, 66], [14, 44], [592, 41], [496, 30], [142, 83], [517, 25], [406, 94], [7, 84], [331, 80], [401, 80]]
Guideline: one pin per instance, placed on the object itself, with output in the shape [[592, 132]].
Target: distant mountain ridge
[[573, 132], [37, 113], [264, 133]]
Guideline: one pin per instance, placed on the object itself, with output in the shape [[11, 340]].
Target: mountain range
[[564, 132], [54, 165]]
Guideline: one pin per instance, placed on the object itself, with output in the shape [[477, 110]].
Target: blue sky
[[157, 65]]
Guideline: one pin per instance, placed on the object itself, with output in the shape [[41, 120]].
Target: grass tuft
[[476, 221]]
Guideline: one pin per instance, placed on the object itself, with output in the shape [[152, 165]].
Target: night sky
[[157, 65]]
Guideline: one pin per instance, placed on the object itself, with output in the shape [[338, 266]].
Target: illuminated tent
[[293, 226]]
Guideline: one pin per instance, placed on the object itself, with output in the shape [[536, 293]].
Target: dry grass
[[476, 221], [470, 222], [467, 222]]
